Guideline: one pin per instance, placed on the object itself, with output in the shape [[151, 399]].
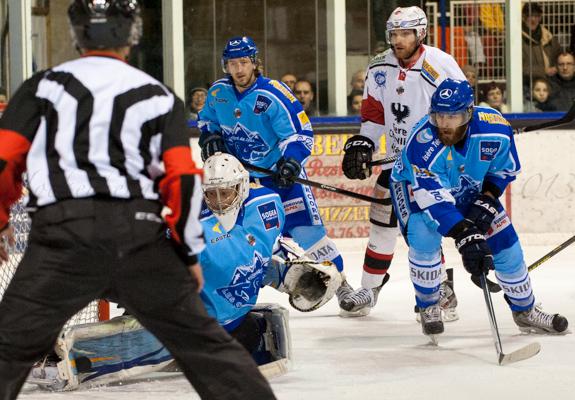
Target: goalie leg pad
[[276, 339], [105, 352]]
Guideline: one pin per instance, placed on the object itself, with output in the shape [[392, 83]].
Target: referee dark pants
[[81, 250]]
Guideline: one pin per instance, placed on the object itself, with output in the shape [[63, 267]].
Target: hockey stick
[[319, 185], [567, 118], [523, 353], [494, 287], [386, 160]]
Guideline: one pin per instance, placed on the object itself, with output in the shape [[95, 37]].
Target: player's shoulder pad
[[379, 59], [487, 120], [279, 89], [223, 83], [423, 144], [205, 213]]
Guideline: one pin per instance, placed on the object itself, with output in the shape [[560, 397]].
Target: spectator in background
[[357, 84], [563, 84], [304, 92], [539, 99], [470, 73], [354, 102], [540, 47], [289, 80], [494, 98], [198, 100]]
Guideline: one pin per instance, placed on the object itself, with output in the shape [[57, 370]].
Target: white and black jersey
[[395, 98], [97, 127]]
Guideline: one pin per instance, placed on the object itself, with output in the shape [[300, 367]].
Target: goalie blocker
[[121, 350]]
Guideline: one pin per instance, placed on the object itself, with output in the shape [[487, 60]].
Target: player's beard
[[451, 136]]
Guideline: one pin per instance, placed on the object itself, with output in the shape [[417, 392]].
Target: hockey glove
[[358, 154], [212, 144], [287, 172], [482, 212], [475, 252]]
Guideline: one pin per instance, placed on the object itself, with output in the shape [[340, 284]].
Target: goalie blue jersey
[[234, 263], [260, 125], [445, 180]]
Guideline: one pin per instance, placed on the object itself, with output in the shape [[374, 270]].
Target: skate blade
[[433, 339], [362, 312], [529, 330], [520, 354]]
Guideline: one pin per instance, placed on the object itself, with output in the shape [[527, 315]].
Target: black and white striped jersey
[[97, 127]]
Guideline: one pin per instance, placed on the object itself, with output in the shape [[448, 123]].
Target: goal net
[[20, 222]]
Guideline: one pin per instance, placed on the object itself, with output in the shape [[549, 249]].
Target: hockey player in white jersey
[[398, 89]]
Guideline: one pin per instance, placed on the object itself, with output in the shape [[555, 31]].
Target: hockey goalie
[[244, 252]]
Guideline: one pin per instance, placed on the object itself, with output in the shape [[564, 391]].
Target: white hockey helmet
[[226, 185], [407, 18]]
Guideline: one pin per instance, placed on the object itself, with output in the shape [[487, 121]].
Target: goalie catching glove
[[309, 284]]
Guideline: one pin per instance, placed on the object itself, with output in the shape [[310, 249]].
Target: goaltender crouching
[[244, 252]]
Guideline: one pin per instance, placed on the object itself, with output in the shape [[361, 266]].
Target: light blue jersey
[[433, 186], [260, 125], [234, 263], [446, 180]]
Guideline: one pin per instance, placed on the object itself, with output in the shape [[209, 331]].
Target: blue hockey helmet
[[238, 47], [452, 97]]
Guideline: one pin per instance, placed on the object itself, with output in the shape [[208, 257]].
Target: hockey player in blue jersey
[[243, 222], [260, 122], [456, 164]]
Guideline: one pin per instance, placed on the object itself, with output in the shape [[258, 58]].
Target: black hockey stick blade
[[567, 118], [492, 286], [319, 185], [521, 354]]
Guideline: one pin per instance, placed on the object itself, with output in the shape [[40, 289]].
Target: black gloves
[[211, 144], [287, 172], [482, 212], [358, 154], [475, 252]]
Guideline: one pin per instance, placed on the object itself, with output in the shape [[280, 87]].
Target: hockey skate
[[538, 321], [431, 323], [447, 300], [359, 303]]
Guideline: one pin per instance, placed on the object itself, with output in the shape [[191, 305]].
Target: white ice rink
[[385, 356]]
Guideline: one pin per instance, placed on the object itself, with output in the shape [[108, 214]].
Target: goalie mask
[[104, 24], [226, 185]]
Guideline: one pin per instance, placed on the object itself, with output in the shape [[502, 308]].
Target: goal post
[[97, 310]]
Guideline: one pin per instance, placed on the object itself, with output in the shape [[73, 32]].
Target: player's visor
[[450, 120]]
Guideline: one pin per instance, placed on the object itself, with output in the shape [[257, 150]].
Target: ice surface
[[385, 355]]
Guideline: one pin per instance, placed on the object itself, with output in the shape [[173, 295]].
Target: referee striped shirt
[[96, 126]]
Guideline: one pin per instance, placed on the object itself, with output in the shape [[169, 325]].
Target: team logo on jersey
[[466, 191], [237, 113], [245, 284], [244, 144], [424, 136], [400, 112], [446, 93], [304, 120], [269, 215], [488, 149], [380, 78], [262, 104]]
